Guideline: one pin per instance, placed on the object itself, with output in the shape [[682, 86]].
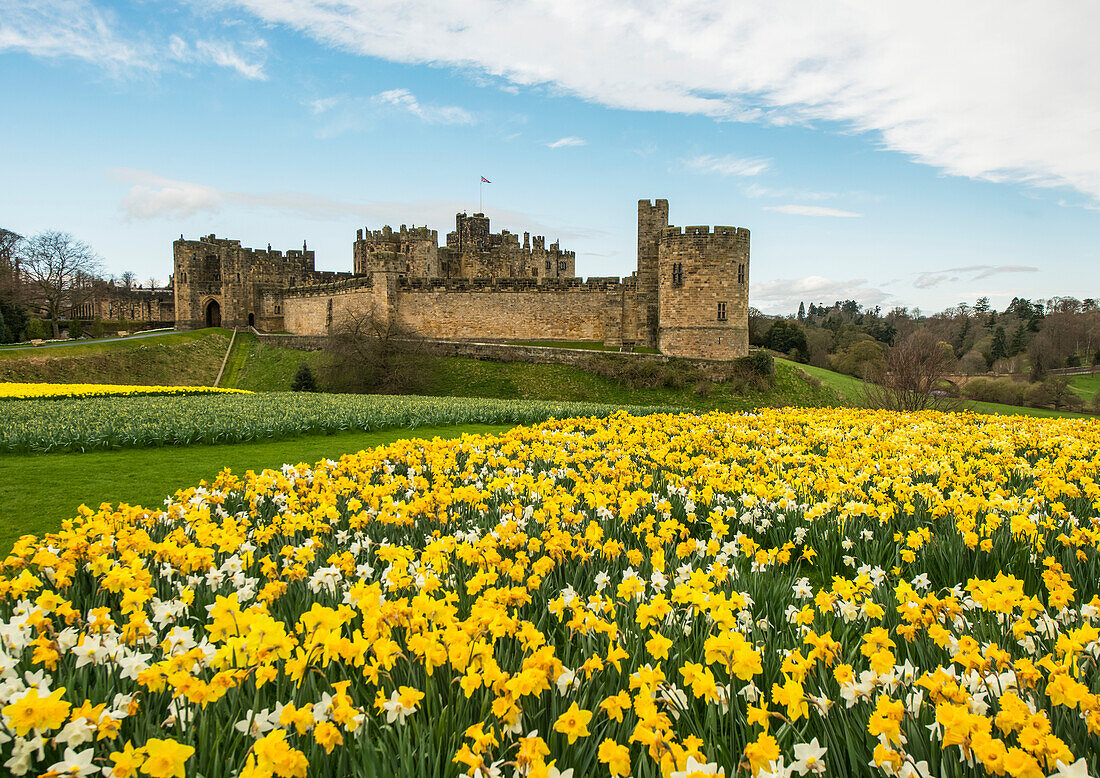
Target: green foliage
[[36, 329], [303, 380], [861, 359], [76, 328], [785, 337], [999, 349], [759, 362], [15, 321], [97, 329], [1055, 392], [996, 390]]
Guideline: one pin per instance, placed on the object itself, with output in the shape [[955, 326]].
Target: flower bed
[[809, 591], [17, 391]]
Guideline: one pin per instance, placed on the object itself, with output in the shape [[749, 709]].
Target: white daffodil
[[75, 763], [809, 758]]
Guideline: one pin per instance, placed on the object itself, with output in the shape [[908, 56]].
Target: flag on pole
[[485, 180]]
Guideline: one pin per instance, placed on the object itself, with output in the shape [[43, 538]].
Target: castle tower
[[652, 218], [703, 292]]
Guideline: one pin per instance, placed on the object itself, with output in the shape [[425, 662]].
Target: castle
[[688, 297]]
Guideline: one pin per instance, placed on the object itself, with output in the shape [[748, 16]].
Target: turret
[[703, 292], [652, 218]]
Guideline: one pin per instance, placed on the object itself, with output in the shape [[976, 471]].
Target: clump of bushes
[[996, 390]]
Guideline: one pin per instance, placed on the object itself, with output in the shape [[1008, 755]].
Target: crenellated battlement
[[341, 286], [593, 284], [672, 233]]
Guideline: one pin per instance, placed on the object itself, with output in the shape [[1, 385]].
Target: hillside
[[179, 358], [194, 358], [850, 390]]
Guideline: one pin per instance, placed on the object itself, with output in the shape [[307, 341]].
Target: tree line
[[1027, 340]]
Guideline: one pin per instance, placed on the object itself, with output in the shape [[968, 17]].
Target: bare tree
[[914, 376], [367, 355], [129, 278], [59, 271]]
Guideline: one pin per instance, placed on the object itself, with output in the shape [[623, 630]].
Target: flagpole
[[480, 196]]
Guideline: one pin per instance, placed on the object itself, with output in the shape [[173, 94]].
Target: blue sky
[[898, 157]]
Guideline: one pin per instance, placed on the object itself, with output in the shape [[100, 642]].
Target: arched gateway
[[213, 314]]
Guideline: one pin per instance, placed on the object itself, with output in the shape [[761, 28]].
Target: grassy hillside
[[1086, 385], [182, 358], [266, 368], [851, 391]]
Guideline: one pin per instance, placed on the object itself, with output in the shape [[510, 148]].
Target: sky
[[917, 154]]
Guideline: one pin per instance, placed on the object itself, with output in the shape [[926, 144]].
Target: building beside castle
[[688, 297]]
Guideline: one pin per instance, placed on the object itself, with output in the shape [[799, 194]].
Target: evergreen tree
[[801, 311], [1019, 341], [304, 380], [3, 329], [999, 349]]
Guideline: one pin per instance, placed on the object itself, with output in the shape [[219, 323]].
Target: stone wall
[[313, 311], [571, 314], [703, 292]]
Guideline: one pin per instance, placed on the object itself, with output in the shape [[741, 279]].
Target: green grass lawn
[[39, 491], [1086, 385]]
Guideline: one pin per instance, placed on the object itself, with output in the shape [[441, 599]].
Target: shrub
[[37, 329], [996, 390], [304, 380], [97, 329], [1055, 392], [76, 328], [759, 362]]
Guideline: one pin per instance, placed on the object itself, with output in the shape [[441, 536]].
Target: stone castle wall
[[703, 294], [576, 314], [688, 298]]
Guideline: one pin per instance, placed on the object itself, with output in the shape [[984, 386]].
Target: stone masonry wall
[[571, 314], [703, 273]]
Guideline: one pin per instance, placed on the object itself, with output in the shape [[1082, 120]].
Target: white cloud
[[929, 279], [726, 165], [812, 210], [77, 29], [322, 104], [432, 114], [999, 90], [568, 140], [152, 196], [71, 29], [783, 295], [225, 54]]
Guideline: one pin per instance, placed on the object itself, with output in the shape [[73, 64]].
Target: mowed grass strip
[[39, 491]]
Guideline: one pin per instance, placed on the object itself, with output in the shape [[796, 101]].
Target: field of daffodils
[[777, 593]]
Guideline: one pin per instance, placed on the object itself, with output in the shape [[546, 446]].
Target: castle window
[[740, 274], [721, 311], [677, 273], [548, 264], [561, 265]]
